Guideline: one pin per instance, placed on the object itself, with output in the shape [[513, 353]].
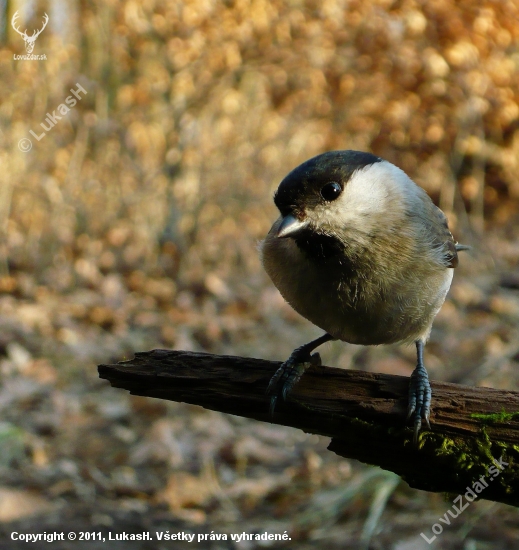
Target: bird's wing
[[443, 241]]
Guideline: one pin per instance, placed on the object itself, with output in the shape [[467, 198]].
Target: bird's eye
[[331, 191]]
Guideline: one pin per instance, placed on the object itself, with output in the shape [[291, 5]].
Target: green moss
[[495, 417], [473, 456], [443, 461]]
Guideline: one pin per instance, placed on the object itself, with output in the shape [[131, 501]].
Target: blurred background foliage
[[133, 223]]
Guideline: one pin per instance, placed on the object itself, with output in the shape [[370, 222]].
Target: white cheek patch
[[367, 191], [372, 193]]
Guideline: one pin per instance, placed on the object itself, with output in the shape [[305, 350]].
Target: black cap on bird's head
[[317, 181]]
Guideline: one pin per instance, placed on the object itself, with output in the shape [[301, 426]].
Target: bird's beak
[[289, 226]]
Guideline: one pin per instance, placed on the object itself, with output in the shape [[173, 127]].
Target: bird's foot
[[289, 374], [419, 399]]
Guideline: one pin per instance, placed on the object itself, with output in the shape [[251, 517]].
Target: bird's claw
[[288, 375], [419, 406]]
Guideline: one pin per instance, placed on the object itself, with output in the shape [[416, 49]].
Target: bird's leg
[[289, 373], [419, 394]]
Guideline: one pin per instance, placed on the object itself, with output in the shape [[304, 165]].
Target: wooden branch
[[364, 414]]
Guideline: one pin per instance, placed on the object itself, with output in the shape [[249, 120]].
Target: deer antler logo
[[29, 40]]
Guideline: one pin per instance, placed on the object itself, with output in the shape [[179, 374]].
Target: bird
[[362, 252]]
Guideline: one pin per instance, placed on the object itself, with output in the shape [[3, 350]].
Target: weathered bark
[[364, 414]]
